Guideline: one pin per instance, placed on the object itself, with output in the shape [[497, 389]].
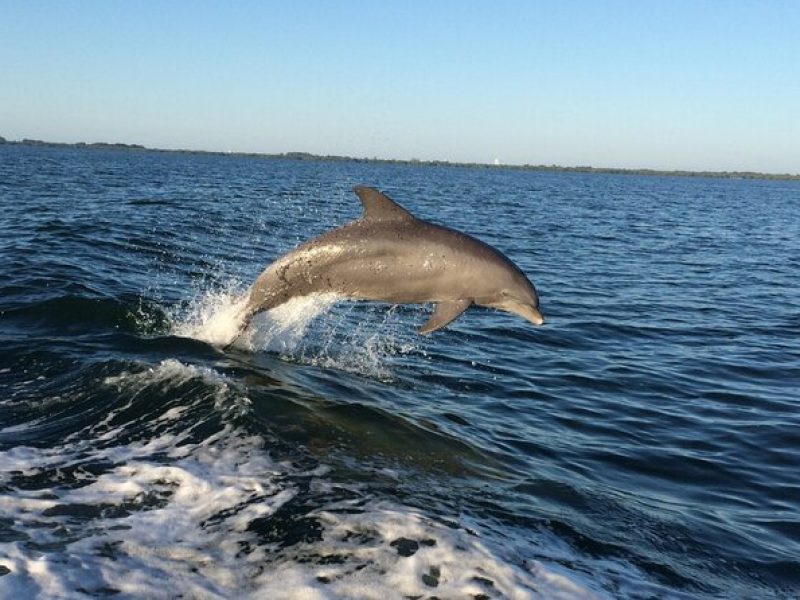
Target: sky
[[667, 85]]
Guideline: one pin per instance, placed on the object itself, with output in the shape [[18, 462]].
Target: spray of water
[[214, 316], [303, 330], [282, 329], [357, 344]]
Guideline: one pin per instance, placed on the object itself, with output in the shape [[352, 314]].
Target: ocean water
[[643, 443]]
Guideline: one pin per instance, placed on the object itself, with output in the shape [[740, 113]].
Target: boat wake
[[198, 503]]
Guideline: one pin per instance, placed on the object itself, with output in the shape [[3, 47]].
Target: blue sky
[[687, 85]]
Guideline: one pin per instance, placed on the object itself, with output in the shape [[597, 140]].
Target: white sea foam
[[170, 372], [391, 551], [162, 540], [191, 542], [20, 427], [168, 516]]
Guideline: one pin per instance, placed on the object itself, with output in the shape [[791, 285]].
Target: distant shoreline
[[433, 163]]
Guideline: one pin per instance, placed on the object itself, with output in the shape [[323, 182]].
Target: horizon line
[[302, 155]]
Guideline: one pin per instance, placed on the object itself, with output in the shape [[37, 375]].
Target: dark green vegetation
[[437, 163]]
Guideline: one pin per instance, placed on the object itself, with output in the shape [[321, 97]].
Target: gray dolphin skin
[[388, 255]]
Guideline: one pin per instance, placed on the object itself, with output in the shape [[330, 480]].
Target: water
[[644, 443]]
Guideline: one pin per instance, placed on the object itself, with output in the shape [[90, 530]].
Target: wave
[[318, 330], [73, 313], [172, 490]]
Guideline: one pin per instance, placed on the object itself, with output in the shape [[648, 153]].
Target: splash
[[364, 349], [322, 331], [283, 328], [214, 316], [306, 330]]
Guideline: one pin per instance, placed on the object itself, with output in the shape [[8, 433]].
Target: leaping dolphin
[[391, 256]]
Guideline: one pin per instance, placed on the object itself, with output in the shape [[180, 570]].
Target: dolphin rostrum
[[391, 256]]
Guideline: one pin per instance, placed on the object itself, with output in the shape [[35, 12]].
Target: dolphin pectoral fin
[[445, 313]]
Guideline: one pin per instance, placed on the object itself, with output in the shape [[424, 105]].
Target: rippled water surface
[[644, 443]]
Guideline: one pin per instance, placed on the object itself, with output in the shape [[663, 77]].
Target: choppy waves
[[643, 444], [159, 498]]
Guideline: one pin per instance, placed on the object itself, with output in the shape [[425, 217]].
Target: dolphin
[[389, 255]]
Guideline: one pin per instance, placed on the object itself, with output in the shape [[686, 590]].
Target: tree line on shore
[[306, 156]]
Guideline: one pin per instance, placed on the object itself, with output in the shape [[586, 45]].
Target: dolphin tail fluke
[[445, 313]]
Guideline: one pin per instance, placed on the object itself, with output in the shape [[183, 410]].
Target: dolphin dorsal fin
[[379, 207]]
